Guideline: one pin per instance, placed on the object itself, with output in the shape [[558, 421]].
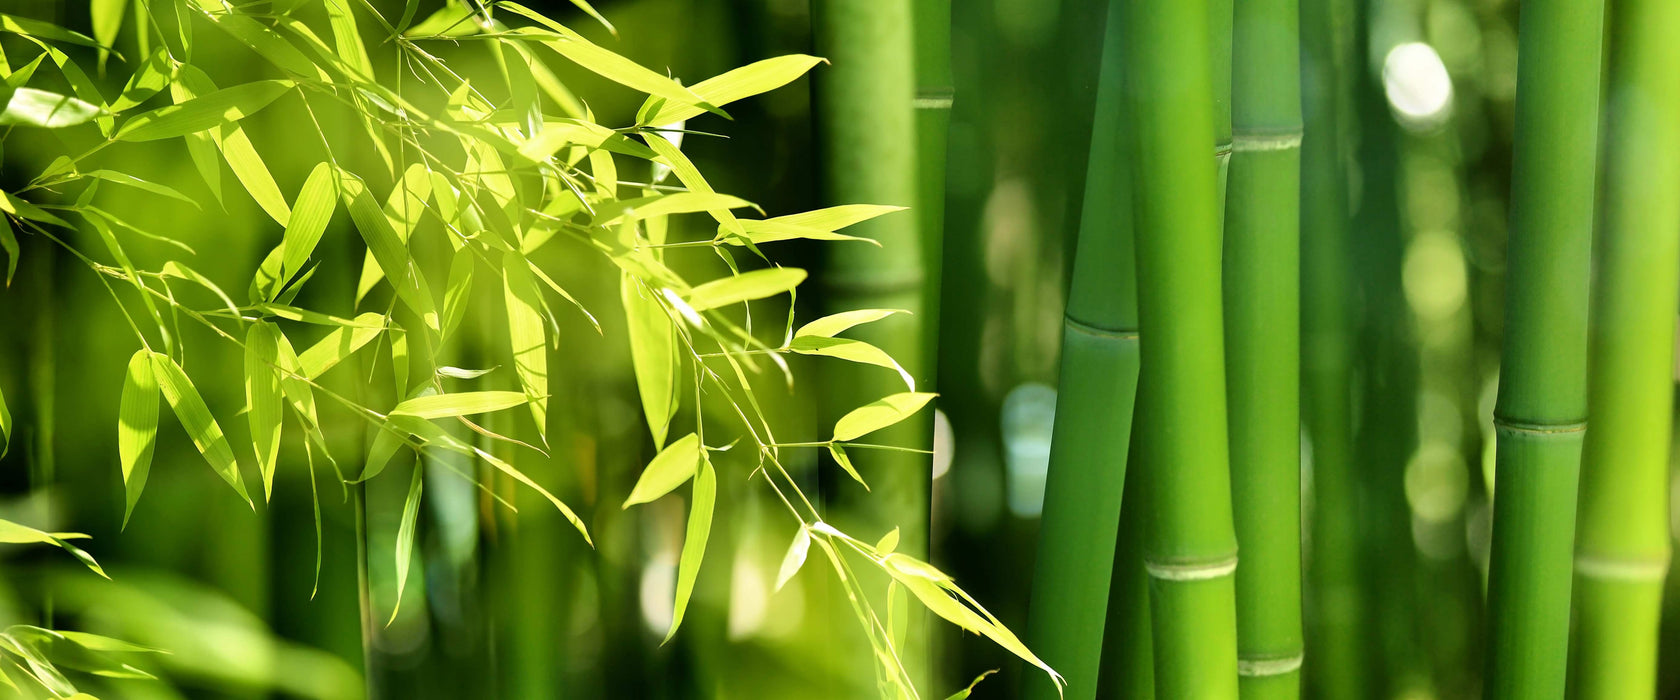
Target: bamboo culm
[[1190, 548], [1540, 416], [1099, 374], [1622, 544]]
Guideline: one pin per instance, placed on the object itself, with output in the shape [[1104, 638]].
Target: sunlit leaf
[[694, 540], [236, 149], [845, 462], [672, 157], [746, 286], [339, 344], [743, 82], [458, 292], [150, 78], [966, 692], [140, 184], [770, 231], [107, 18], [31, 107], [262, 396], [795, 557], [387, 248], [204, 112], [653, 354], [461, 373], [836, 218], [195, 417], [311, 213], [669, 469], [459, 404], [137, 421], [346, 39], [851, 351], [527, 335], [880, 414], [14, 533], [44, 30], [607, 64], [888, 542], [405, 536], [835, 324]]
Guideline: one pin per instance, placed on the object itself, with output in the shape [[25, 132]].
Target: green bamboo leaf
[[236, 148], [451, 20], [107, 16], [262, 395], [851, 351], [458, 292], [694, 541], [195, 417], [311, 213], [757, 284], [653, 354], [580, 4], [462, 373], [527, 335], [13, 205], [44, 30], [49, 110], [741, 83], [387, 248], [347, 39], [263, 41], [587, 55], [795, 557], [966, 692], [669, 469], [5, 426], [128, 180], [137, 422], [460, 404], [672, 157], [836, 218], [203, 113], [181, 271], [770, 231], [403, 207], [292, 313], [887, 543], [845, 462], [835, 324], [880, 414], [14, 533], [200, 147], [9, 243], [405, 537], [653, 206], [150, 78]]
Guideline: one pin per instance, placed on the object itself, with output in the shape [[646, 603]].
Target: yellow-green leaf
[[746, 286], [851, 351], [795, 557], [460, 404], [880, 414], [388, 249], [195, 417], [50, 110], [405, 536], [14, 533], [835, 324], [607, 64], [137, 421], [527, 334], [694, 540], [339, 344], [262, 396], [743, 82], [653, 353], [836, 218], [107, 16], [203, 113], [311, 213], [845, 462], [669, 469]]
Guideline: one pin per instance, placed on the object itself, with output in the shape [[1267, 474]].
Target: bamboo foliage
[[1622, 542], [1092, 434], [1541, 412], [1190, 549], [1262, 335]]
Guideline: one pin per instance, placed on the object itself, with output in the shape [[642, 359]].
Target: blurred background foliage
[[513, 605]]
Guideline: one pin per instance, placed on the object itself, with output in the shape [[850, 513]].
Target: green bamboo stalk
[[1262, 361], [934, 96], [1099, 372], [1190, 550], [1338, 671], [1541, 412], [1128, 671], [1622, 547]]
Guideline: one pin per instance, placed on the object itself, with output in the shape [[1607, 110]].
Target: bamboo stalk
[[1340, 659], [1099, 371], [1262, 322], [933, 99], [1541, 412], [1190, 550], [1128, 657], [1622, 550]]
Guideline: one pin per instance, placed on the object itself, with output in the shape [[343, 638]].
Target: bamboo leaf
[[694, 540], [966, 692], [137, 183], [757, 284], [311, 213], [262, 395], [573, 47], [795, 557], [459, 404], [851, 351], [14, 533], [845, 462], [527, 335], [13, 205], [44, 30], [387, 248], [460, 373], [653, 354], [835, 324], [200, 147], [150, 78], [669, 469], [836, 218], [195, 417], [137, 422], [107, 16], [458, 292], [405, 537], [49, 110], [235, 146], [9, 243], [346, 39], [672, 157], [770, 231], [887, 543], [741, 83], [880, 414], [451, 20], [203, 113]]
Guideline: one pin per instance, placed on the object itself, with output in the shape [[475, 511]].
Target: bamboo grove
[[529, 360]]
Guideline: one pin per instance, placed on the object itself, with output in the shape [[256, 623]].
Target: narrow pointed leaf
[[387, 248], [795, 557], [203, 113], [694, 541], [459, 404], [880, 414], [852, 351], [845, 462], [30, 107], [262, 395], [830, 326], [746, 286], [310, 215], [405, 536], [653, 353], [190, 409], [137, 422], [338, 344], [743, 82], [669, 469], [527, 334]]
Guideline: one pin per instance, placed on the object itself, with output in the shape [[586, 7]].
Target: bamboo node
[[1252, 140], [1192, 571], [1622, 569], [1098, 331], [934, 98], [1507, 425], [1264, 666]]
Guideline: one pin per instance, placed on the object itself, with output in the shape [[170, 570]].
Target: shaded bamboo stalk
[[1262, 351], [1540, 416], [1099, 373], [1190, 549], [1128, 671], [1622, 547], [1338, 671], [933, 99]]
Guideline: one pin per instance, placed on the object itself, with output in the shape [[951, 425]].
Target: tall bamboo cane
[[1262, 320], [1190, 548], [933, 99], [1541, 413], [1622, 550], [1339, 662], [1094, 410]]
